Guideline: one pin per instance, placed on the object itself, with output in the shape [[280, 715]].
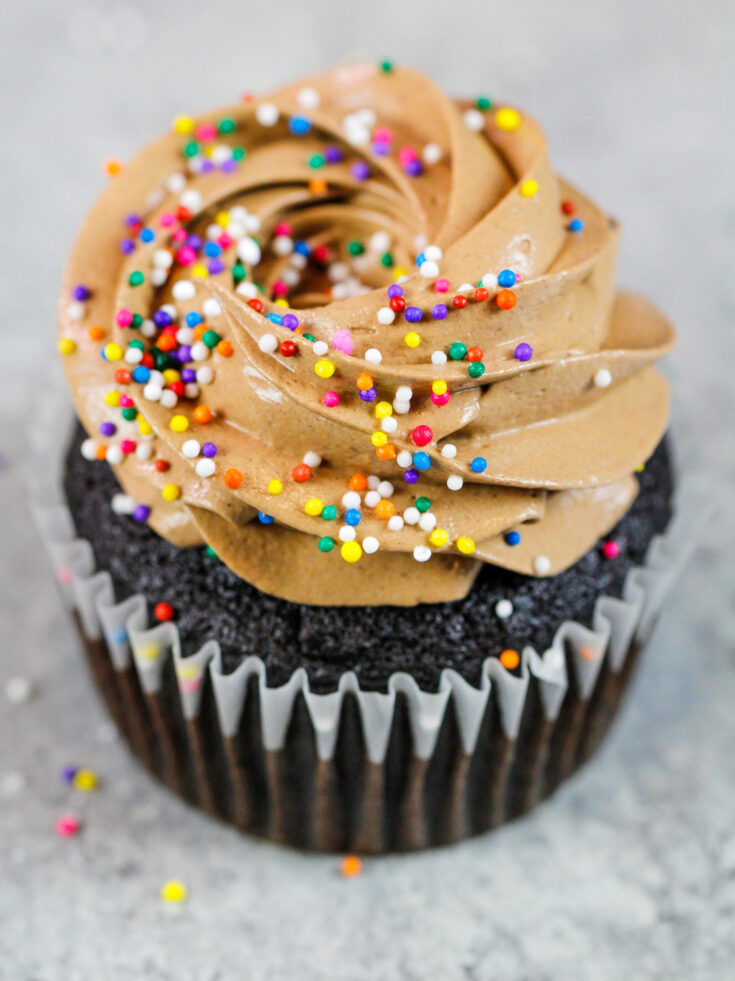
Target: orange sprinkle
[[166, 342], [318, 185], [199, 331], [101, 451], [385, 509], [351, 866], [510, 659], [386, 452], [364, 382], [225, 348], [588, 653], [203, 414], [233, 478], [113, 166], [506, 299], [358, 482], [96, 332]]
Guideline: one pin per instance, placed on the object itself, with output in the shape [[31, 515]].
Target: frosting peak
[[357, 320]]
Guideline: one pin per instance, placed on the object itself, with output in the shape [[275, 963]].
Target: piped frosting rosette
[[354, 326]]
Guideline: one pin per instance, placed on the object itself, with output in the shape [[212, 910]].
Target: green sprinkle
[[457, 351], [136, 278], [137, 343], [226, 125], [325, 544], [386, 259], [137, 320], [329, 513], [211, 338], [483, 103], [386, 66], [355, 247], [239, 153], [309, 337], [191, 149], [211, 552], [423, 504], [476, 369], [238, 272], [130, 413], [315, 161]]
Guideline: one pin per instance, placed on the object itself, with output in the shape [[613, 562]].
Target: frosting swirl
[[359, 319]]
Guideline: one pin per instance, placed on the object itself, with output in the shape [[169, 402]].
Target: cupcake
[[366, 512]]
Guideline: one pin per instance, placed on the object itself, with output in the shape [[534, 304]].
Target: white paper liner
[[123, 623]]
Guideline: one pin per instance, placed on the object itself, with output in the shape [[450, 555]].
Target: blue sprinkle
[[275, 318], [119, 636], [193, 319], [478, 464], [506, 278], [353, 516], [141, 374], [576, 225], [420, 259], [512, 538], [299, 125], [212, 249], [147, 235], [301, 247], [265, 519], [422, 461]]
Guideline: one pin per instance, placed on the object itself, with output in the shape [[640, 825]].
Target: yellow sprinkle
[[465, 545], [67, 346], [314, 507], [324, 368], [174, 891], [507, 118], [640, 468], [399, 271], [170, 492], [112, 398], [183, 125], [144, 427], [148, 652], [275, 486], [179, 424], [113, 352], [412, 339], [171, 375], [282, 303], [379, 438], [438, 538], [222, 219], [351, 551], [529, 188], [187, 672], [383, 410], [85, 780], [439, 387], [200, 271]]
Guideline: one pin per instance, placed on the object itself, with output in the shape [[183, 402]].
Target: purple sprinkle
[[68, 772], [333, 154], [395, 290], [414, 167], [81, 293], [141, 512], [108, 428], [127, 245], [229, 166], [132, 220], [524, 352], [439, 311], [360, 170], [410, 475], [162, 318], [207, 166], [290, 321], [184, 355], [194, 242], [368, 394], [215, 266], [188, 375], [381, 148], [413, 315], [209, 449]]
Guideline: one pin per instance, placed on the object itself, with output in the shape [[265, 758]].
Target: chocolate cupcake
[[365, 426]]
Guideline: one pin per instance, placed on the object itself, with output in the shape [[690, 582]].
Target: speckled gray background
[[630, 872]]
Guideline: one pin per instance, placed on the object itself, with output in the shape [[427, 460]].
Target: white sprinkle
[[432, 153], [169, 399], [438, 357], [252, 224], [373, 481], [395, 523], [503, 609], [308, 98], [133, 355], [370, 545], [449, 451], [351, 500], [205, 375], [75, 311], [312, 459], [171, 310], [249, 251], [18, 690], [320, 348], [122, 504], [372, 499], [490, 282], [185, 335], [427, 521], [403, 393], [158, 277], [191, 448], [338, 271], [267, 343], [433, 253], [250, 290], [429, 269], [211, 308], [220, 153], [88, 449], [379, 242], [282, 245], [191, 391], [175, 183], [191, 199], [386, 316], [267, 114], [184, 289], [385, 488], [466, 288], [474, 120], [214, 231], [401, 407], [404, 459], [541, 565], [603, 378], [455, 482], [12, 784], [205, 467], [419, 243], [200, 351], [143, 452], [162, 258], [422, 553], [291, 277], [366, 116], [373, 355], [114, 456], [347, 533], [389, 424], [148, 328], [411, 516]]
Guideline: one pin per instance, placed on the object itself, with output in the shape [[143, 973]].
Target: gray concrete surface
[[630, 871]]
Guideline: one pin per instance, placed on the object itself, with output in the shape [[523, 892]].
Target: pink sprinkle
[[381, 134], [342, 341], [611, 549], [330, 399], [442, 285], [167, 220], [225, 241], [186, 255], [283, 228], [125, 402], [440, 399], [206, 132], [280, 288], [67, 826], [124, 318], [179, 235], [406, 154], [64, 575], [127, 445]]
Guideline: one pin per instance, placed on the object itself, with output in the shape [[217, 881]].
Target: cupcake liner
[[352, 769]]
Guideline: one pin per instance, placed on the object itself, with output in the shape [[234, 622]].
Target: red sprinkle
[[256, 304], [287, 349], [474, 354], [161, 465], [568, 207], [611, 549], [301, 473], [481, 294], [163, 611], [397, 303], [422, 435], [459, 301], [123, 376]]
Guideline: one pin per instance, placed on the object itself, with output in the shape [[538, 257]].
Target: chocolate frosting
[[311, 203]]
